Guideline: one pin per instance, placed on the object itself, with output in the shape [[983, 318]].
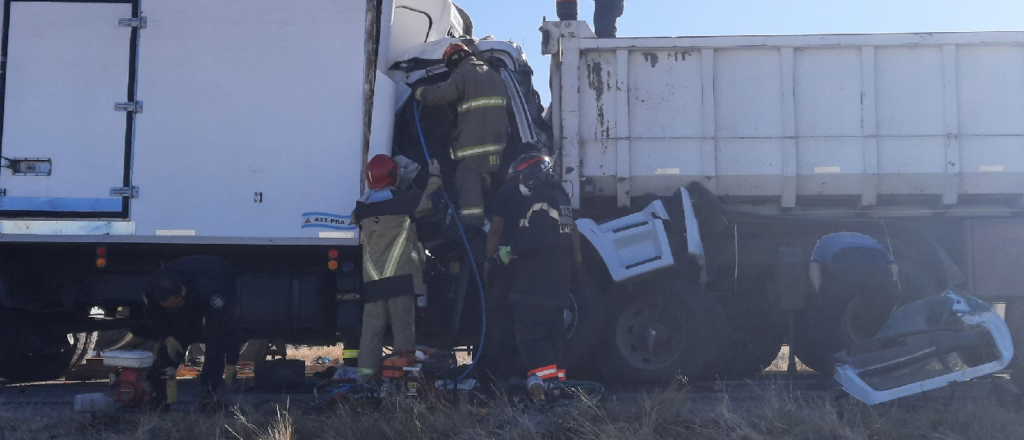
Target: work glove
[[230, 373], [174, 349], [419, 94], [504, 254]]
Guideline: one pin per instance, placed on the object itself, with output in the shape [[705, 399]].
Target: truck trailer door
[[68, 105]]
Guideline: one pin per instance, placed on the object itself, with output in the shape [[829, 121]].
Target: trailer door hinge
[[135, 107], [131, 192], [132, 22]]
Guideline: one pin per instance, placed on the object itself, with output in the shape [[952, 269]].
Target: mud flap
[[926, 345]]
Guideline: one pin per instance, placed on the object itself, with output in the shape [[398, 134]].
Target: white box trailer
[[174, 121], [778, 140], [134, 132]]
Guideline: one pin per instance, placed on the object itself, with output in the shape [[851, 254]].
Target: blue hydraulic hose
[[465, 242]]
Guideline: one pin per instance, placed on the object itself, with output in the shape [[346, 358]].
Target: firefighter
[[481, 97], [606, 13], [392, 259], [498, 361], [541, 252], [844, 257], [856, 286], [193, 300]]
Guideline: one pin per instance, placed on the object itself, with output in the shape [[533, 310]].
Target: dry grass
[[671, 413], [781, 362], [310, 352]]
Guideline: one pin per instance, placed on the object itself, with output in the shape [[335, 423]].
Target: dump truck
[[913, 139], [704, 170]]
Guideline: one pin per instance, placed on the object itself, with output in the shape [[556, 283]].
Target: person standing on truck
[[392, 259], [192, 300], [541, 253], [606, 13], [481, 97]]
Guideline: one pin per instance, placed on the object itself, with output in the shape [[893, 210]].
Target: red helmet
[[453, 49], [381, 172]]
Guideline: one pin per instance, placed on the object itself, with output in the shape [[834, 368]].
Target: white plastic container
[[93, 402], [128, 358]]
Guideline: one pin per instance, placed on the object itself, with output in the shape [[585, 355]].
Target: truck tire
[[1014, 318], [586, 319], [827, 326], [752, 339], [85, 348], [661, 329], [115, 339], [54, 358], [916, 283]]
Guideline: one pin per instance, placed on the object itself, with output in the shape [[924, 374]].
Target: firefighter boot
[[536, 388]]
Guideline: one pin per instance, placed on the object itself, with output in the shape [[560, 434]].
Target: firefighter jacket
[[480, 96], [392, 254], [210, 310], [543, 250]]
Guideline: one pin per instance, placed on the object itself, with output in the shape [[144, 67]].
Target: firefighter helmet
[[533, 169], [381, 172], [454, 53]]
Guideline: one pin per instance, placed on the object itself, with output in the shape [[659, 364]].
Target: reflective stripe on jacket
[[481, 97], [391, 247]]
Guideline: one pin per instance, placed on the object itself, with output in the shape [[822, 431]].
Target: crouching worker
[[193, 300], [542, 253], [851, 260], [392, 259], [856, 282]]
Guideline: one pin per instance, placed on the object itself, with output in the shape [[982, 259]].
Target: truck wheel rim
[[648, 335]]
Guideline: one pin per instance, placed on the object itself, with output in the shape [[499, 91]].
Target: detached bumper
[[926, 345]]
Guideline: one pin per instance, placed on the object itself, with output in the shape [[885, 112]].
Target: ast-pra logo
[[326, 220]]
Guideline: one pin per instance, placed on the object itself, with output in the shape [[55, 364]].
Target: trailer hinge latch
[[135, 107], [124, 191], [132, 22]]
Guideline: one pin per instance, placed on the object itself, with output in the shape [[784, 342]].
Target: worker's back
[[483, 120]]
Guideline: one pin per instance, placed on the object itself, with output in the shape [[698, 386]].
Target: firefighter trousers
[[400, 312], [540, 335], [606, 13], [472, 179]]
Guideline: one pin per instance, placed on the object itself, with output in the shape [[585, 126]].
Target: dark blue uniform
[[543, 250], [209, 314], [606, 13]]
